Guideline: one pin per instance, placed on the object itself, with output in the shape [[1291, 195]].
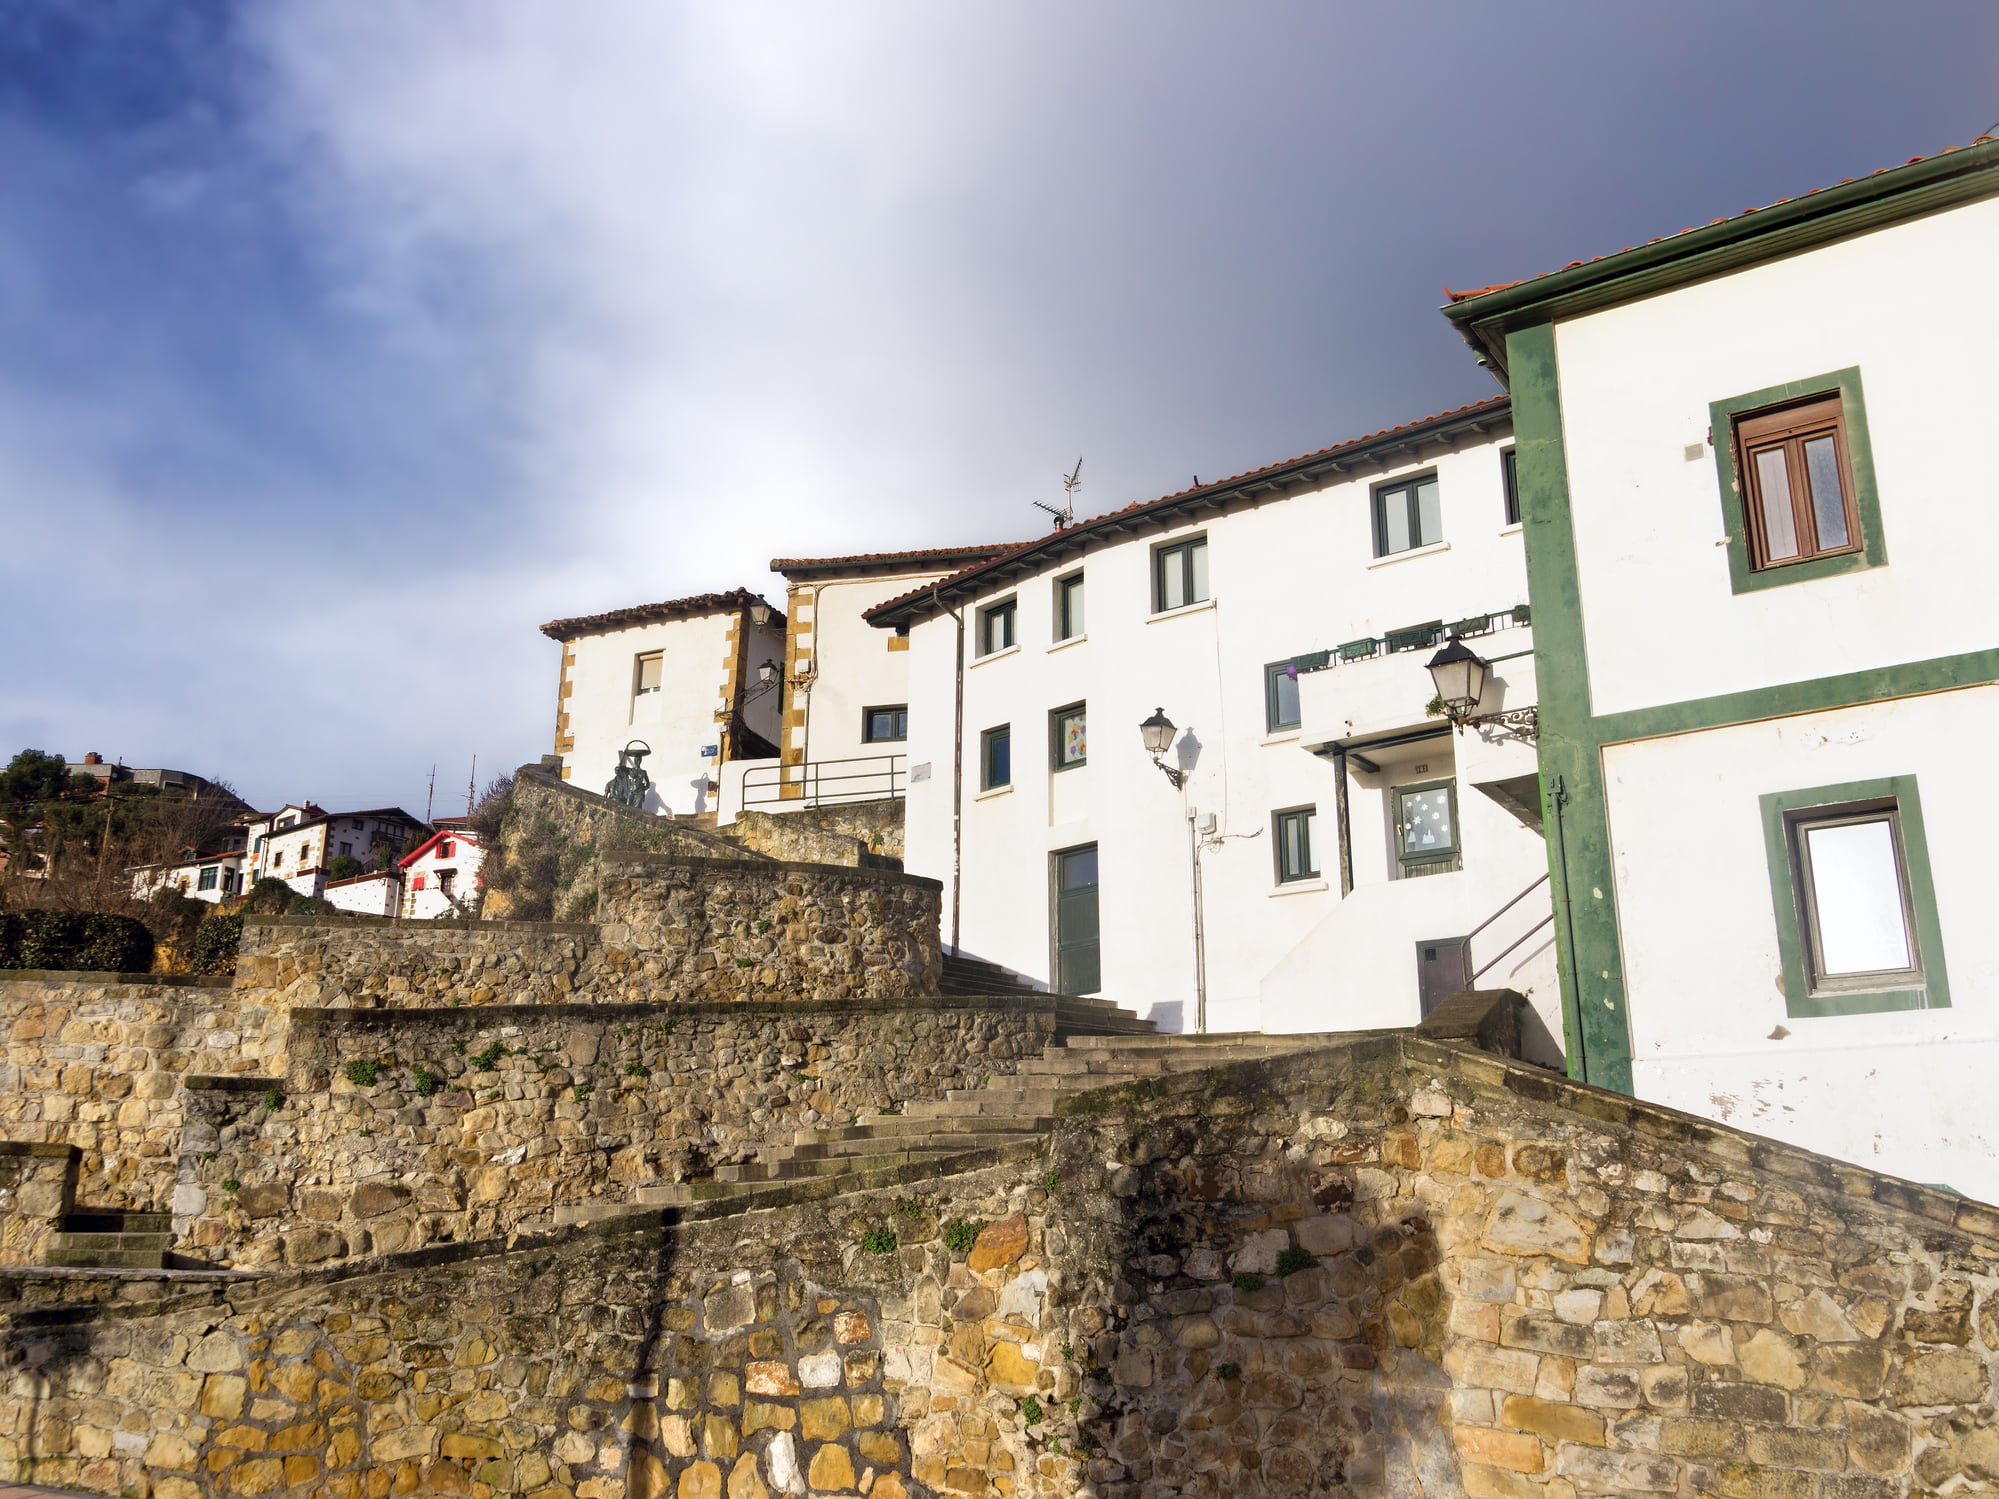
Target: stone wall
[[553, 837], [715, 930], [362, 962], [37, 1187], [96, 1061], [858, 833], [1386, 1268], [517, 1112], [671, 929]]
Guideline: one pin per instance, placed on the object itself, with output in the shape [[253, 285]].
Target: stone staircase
[[976, 978], [112, 1239], [1006, 1119]]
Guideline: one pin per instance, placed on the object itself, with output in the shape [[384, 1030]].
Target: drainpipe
[[957, 768], [1560, 799], [1200, 932]]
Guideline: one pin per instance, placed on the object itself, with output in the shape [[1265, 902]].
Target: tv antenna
[[1071, 482]]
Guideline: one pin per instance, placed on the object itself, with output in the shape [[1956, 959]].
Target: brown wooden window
[[1797, 483]]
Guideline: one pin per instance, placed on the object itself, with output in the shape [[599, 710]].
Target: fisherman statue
[[630, 784]]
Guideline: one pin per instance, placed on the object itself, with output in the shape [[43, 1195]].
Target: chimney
[[93, 758]]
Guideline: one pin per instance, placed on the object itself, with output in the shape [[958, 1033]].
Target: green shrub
[[1294, 1259], [637, 1069], [879, 1241], [231, 1185], [363, 1074], [215, 944], [488, 1059], [1031, 1412], [961, 1234], [273, 1099], [908, 1207], [582, 1091], [77, 941], [1228, 1371], [1246, 1282], [343, 867], [424, 1080]]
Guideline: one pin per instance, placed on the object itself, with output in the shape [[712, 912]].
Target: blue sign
[[710, 751]]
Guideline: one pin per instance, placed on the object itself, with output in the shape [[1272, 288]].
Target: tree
[[343, 867]]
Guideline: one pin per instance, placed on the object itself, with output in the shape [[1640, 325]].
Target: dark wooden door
[[1440, 971], [1078, 952]]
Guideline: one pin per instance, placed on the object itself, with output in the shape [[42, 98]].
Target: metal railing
[[1472, 974], [818, 783]]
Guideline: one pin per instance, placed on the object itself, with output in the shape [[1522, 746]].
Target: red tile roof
[[1454, 297], [867, 562], [1079, 532], [692, 607]]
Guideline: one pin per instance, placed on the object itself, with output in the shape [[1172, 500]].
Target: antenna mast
[[471, 782], [1071, 482], [430, 795]]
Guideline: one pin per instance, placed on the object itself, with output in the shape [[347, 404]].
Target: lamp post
[[1158, 732], [1460, 674]]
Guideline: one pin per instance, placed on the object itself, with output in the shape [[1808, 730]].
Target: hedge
[[215, 943], [78, 941]]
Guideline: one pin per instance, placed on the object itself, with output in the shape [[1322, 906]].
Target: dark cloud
[[343, 344]]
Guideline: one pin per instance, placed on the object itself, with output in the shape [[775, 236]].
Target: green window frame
[[886, 724], [1293, 844], [1743, 576], [1784, 813], [1180, 574], [1069, 607], [1408, 515], [1443, 858], [996, 627], [996, 757], [1068, 737], [1280, 682]]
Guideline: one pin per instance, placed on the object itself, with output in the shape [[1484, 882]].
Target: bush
[[879, 1241], [961, 1234], [78, 941], [215, 944], [1294, 1259], [343, 867], [363, 1074]]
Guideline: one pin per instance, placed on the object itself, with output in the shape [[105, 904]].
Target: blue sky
[[342, 345]]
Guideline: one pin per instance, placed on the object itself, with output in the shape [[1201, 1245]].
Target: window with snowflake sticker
[[1426, 829]]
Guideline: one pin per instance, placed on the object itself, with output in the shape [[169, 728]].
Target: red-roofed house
[[440, 877]]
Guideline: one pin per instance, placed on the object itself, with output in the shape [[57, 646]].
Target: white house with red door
[[441, 876]]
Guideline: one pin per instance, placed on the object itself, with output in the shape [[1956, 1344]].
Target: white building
[[697, 681], [1068, 858], [377, 893], [213, 877], [295, 843], [1757, 464], [845, 720], [440, 877]]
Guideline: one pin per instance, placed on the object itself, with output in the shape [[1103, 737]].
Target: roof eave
[[1895, 195]]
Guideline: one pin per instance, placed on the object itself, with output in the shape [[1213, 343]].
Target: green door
[[1078, 955]]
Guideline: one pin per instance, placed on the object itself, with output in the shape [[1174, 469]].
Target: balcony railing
[[1413, 638], [819, 783]]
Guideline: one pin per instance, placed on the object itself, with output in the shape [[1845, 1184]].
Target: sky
[[342, 345]]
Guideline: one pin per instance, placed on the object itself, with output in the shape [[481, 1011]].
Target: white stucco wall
[[370, 895], [429, 902], [1295, 576], [678, 721], [1912, 307], [854, 665], [1906, 1092]]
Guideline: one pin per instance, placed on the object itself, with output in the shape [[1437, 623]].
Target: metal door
[[1078, 952], [1440, 971]]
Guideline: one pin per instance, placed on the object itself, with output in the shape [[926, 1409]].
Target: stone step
[[818, 1148], [1213, 1042], [107, 1259], [901, 1124], [746, 1193], [116, 1221], [794, 1169], [1064, 1065], [86, 1242]]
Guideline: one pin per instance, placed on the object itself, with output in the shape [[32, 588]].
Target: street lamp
[[1158, 733], [767, 671], [760, 614], [1460, 673]]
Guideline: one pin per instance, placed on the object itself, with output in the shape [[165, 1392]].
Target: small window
[[647, 679], [996, 758], [417, 883], [1067, 737], [229, 882], [445, 879], [1852, 880], [443, 848], [1407, 515], [1180, 574], [1280, 696], [879, 725], [358, 824], [996, 627], [1797, 483], [1069, 607], [208, 878], [278, 859], [1297, 854], [347, 849], [1509, 473], [1426, 830]]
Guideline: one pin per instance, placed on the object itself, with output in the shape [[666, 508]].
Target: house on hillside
[[186, 782], [1755, 460], [846, 685], [297, 842], [216, 875], [440, 876], [696, 681], [1321, 843]]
